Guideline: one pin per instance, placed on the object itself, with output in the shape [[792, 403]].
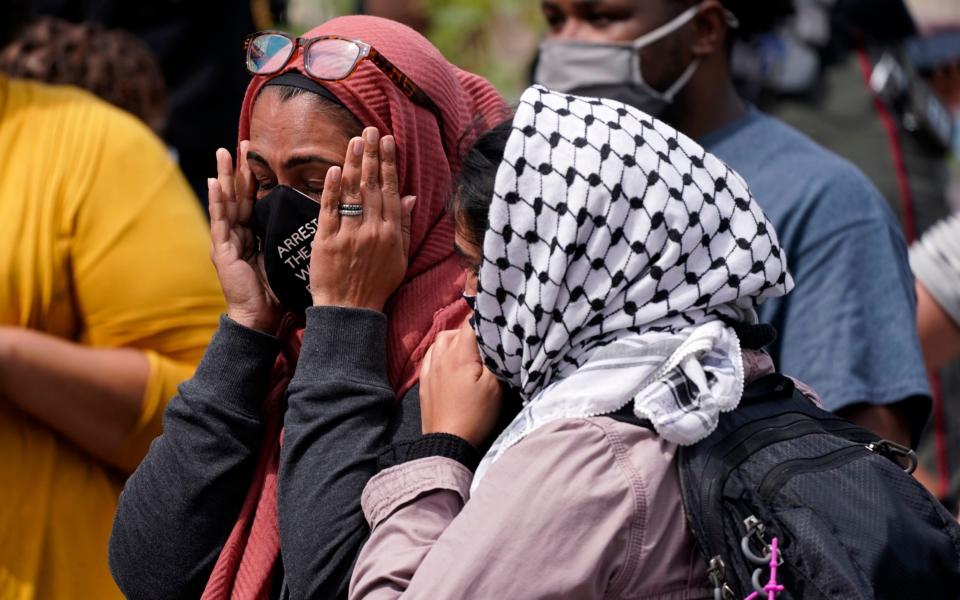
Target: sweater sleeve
[[179, 506], [341, 415], [555, 517]]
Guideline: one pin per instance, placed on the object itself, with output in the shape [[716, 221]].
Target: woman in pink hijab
[[253, 491]]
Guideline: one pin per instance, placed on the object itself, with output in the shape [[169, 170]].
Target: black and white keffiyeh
[[615, 246]]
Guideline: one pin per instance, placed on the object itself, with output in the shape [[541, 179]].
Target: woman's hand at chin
[[360, 260], [458, 394], [234, 250]]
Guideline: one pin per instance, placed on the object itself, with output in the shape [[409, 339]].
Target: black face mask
[[285, 221]]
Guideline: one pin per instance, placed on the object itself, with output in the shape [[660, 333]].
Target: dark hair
[[755, 16], [342, 113], [473, 193], [15, 14], [113, 64]]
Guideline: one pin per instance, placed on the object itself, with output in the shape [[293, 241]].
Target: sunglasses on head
[[329, 58]]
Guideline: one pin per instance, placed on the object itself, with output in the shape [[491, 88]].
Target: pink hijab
[[428, 301]]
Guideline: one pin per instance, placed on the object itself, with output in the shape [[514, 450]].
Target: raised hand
[[234, 250], [359, 254], [458, 394]]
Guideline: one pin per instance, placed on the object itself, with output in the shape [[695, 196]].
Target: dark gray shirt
[[178, 508]]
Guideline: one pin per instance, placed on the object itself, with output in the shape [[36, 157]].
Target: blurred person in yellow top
[[107, 301]]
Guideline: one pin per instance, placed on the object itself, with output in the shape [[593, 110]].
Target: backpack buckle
[[895, 452]]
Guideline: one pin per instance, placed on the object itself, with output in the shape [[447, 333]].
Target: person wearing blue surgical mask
[[848, 327]]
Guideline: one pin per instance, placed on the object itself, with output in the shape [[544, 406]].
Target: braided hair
[[113, 64]]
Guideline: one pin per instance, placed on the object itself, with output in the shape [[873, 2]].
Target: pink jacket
[[581, 508]]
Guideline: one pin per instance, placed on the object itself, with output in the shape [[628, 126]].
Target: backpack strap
[[768, 387], [760, 390], [626, 415], [752, 336]]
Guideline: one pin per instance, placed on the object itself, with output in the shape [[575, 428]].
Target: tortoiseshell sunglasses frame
[[367, 52]]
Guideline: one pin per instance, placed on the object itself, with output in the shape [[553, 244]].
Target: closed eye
[[312, 190], [467, 261], [599, 21]]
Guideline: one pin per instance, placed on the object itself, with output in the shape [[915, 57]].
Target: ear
[[711, 29]]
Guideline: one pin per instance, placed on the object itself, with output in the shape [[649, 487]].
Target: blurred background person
[[839, 71], [113, 64], [847, 327], [877, 82], [109, 300], [936, 54], [200, 49], [935, 259]]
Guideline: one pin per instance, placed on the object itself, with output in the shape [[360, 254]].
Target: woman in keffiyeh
[[613, 262]]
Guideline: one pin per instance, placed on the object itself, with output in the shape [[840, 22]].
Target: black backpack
[[850, 523]]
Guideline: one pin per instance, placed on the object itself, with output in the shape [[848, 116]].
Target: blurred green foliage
[[480, 36], [495, 38]]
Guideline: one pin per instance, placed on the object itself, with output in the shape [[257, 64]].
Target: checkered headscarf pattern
[[605, 224]]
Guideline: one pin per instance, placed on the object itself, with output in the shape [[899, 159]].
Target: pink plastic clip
[[772, 588]]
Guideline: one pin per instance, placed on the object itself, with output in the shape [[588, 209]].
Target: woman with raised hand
[[613, 262], [253, 490]]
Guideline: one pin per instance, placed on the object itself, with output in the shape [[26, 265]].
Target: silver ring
[[350, 210]]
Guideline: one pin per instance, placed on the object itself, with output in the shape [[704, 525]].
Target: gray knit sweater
[[178, 508]]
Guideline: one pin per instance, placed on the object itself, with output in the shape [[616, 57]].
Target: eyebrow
[[254, 156], [294, 161]]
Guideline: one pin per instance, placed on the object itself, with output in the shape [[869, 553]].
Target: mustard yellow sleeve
[[141, 260]]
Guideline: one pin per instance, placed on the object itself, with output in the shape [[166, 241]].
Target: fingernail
[[357, 146], [211, 182], [334, 175], [372, 135], [388, 144]]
